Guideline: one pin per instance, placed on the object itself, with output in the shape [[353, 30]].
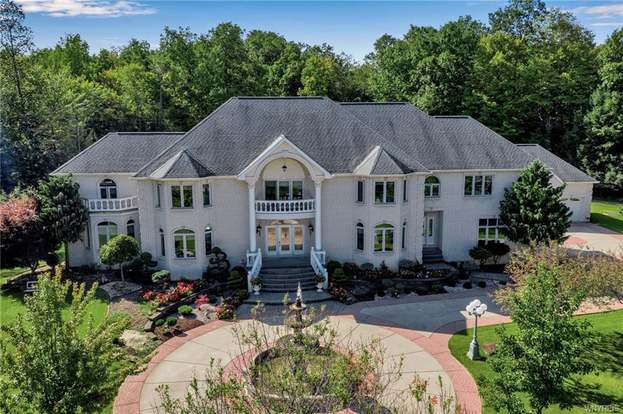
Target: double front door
[[284, 239]]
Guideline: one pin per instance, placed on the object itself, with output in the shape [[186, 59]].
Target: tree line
[[532, 73]]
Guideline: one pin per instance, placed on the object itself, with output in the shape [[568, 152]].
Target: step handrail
[[254, 264], [317, 260]]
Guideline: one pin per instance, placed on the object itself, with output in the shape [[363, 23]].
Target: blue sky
[[350, 26]]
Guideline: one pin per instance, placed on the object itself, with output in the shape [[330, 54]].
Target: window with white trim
[[431, 187], [359, 236], [404, 190], [162, 249], [130, 228], [184, 242], [384, 238], [207, 200], [283, 190], [106, 230], [182, 196], [478, 185], [207, 237], [403, 241], [491, 230], [384, 192], [158, 191], [361, 185], [108, 189]]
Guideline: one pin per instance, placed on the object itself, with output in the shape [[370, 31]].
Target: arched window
[[106, 230], [130, 228], [384, 238], [359, 236], [431, 186], [184, 242], [207, 235], [108, 189], [162, 250]]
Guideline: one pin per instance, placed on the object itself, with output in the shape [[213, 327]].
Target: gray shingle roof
[[338, 136], [561, 168], [441, 143], [124, 152], [239, 130], [386, 165]]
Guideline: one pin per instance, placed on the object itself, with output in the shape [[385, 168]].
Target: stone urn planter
[[256, 289]]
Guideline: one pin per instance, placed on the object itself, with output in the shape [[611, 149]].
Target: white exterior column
[[317, 224], [252, 225]]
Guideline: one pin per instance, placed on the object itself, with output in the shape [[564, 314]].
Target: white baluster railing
[[317, 260], [254, 264], [285, 206], [111, 204]]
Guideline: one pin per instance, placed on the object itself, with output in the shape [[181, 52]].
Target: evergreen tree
[[602, 152], [533, 209], [62, 215]]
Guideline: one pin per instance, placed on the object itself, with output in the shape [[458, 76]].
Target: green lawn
[[608, 214], [604, 387]]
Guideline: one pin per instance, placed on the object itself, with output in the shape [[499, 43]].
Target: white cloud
[[607, 10], [608, 24], [101, 8]]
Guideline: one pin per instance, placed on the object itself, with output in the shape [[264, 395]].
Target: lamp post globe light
[[476, 309]]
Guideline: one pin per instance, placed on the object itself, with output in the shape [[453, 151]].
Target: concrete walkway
[[415, 327], [590, 237]]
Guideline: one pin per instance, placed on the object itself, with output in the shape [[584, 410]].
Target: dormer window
[[108, 189]]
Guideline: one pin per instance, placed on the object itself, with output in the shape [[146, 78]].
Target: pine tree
[[533, 209]]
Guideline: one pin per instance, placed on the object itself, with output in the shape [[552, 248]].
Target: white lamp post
[[476, 309]]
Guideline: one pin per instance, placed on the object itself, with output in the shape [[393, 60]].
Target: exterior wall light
[[310, 227]]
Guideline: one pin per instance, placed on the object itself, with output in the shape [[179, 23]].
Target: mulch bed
[[164, 333]]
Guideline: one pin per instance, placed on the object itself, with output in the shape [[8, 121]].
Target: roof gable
[[182, 165], [559, 167]]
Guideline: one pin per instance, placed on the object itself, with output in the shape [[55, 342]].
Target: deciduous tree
[[119, 250]]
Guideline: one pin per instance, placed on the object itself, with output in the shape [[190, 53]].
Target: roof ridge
[[374, 103], [81, 152], [149, 133], [279, 97], [451, 116]]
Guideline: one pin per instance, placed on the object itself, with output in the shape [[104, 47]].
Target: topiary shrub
[[497, 250], [161, 277], [351, 270], [332, 265], [171, 320], [235, 281], [482, 284], [159, 322], [242, 270], [467, 285], [480, 254], [185, 310], [338, 278], [218, 265]]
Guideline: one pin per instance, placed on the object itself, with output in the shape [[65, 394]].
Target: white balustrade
[[254, 264], [317, 260], [111, 204], [285, 206]]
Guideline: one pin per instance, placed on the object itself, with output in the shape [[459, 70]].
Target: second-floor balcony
[[285, 208], [111, 204]]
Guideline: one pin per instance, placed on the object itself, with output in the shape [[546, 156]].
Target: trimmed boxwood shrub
[[242, 294], [480, 254], [482, 284], [467, 285], [161, 277], [332, 265], [235, 281], [185, 309], [171, 320], [435, 289], [338, 277], [159, 322]]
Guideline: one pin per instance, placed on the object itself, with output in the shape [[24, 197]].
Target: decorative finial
[[299, 295]]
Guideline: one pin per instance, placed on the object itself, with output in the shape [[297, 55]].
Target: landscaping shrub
[[436, 289], [480, 254], [161, 277], [438, 273], [118, 251], [332, 265], [159, 322], [338, 278], [171, 320], [242, 270], [482, 284], [467, 285], [148, 295], [351, 270], [497, 250], [339, 293], [225, 312], [185, 310], [242, 295], [422, 291], [452, 283], [367, 266], [202, 300], [235, 281], [218, 265], [502, 282]]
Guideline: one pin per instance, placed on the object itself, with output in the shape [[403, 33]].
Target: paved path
[[415, 327], [591, 237]]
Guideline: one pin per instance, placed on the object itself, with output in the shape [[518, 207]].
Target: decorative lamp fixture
[[475, 309], [284, 168], [258, 229], [310, 227]]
